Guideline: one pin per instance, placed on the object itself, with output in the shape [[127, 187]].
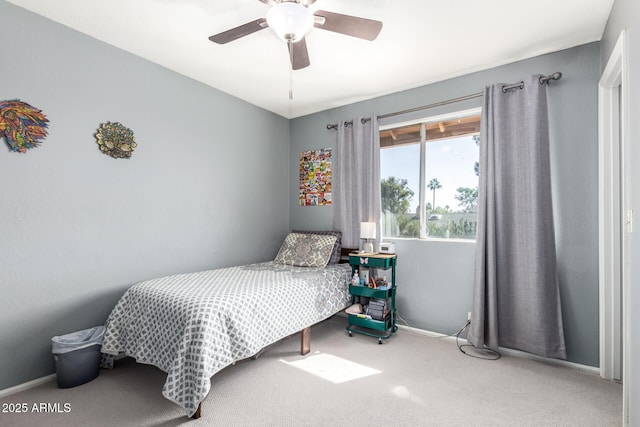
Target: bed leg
[[198, 413], [305, 340]]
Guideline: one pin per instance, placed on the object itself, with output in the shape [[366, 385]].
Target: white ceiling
[[421, 42]]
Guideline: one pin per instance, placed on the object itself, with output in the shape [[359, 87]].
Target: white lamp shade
[[367, 230], [290, 21]]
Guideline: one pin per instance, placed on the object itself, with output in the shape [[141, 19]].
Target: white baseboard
[[510, 351], [26, 386]]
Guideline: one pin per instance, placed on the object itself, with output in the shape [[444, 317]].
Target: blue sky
[[450, 161]]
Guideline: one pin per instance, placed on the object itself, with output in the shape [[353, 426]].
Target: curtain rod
[[543, 79]]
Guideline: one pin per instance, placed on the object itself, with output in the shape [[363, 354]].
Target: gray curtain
[[516, 301], [356, 179]]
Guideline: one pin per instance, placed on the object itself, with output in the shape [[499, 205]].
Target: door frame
[[615, 222]]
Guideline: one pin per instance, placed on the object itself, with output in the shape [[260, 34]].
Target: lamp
[[367, 231], [290, 20]]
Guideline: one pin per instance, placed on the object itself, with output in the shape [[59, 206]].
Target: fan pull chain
[[291, 84], [290, 46]]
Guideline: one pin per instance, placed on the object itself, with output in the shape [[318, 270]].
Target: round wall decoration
[[116, 140], [23, 125]]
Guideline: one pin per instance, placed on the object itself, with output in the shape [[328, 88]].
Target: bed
[[193, 325]]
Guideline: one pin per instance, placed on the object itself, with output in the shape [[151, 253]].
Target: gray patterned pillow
[[337, 246], [306, 250]]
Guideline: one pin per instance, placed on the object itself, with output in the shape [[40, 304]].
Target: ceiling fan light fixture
[[290, 20]]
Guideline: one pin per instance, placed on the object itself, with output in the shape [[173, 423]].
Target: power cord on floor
[[493, 355], [481, 353]]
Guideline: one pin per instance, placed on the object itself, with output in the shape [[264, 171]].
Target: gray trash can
[[77, 356]]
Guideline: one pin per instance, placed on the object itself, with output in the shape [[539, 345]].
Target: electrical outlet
[[469, 316]]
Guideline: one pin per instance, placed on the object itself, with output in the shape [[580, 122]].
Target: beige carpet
[[410, 380]]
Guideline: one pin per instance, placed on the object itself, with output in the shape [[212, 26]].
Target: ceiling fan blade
[[241, 31], [354, 26], [299, 54]]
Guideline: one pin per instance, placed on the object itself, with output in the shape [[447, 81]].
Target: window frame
[[424, 121]]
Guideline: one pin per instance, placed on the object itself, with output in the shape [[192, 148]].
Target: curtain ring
[[513, 86]]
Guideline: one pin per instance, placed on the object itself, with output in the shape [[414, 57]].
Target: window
[[429, 177]]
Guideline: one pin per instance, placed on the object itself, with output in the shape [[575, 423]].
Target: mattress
[[193, 325]]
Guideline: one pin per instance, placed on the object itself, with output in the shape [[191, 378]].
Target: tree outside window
[[449, 192]]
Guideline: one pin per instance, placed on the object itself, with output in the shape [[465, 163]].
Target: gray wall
[[435, 278], [78, 227], [626, 14]]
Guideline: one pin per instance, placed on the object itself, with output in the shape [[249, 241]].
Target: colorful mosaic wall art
[[315, 177], [22, 125], [116, 140]]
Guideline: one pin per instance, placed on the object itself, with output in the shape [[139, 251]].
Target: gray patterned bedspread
[[193, 325]]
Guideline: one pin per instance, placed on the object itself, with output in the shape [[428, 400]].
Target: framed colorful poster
[[315, 177]]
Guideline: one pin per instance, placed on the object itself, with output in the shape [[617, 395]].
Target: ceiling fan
[[291, 20]]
